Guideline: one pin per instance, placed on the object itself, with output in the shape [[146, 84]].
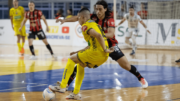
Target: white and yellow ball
[[48, 95]]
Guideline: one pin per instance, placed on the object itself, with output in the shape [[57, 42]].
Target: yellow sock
[[19, 46], [67, 73], [22, 45], [79, 79]]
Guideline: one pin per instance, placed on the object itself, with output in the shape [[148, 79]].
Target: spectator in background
[[121, 12], [69, 12], [143, 13], [59, 14]]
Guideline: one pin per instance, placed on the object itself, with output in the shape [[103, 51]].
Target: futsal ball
[[48, 95]]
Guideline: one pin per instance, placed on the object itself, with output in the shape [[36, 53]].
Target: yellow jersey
[[69, 16], [92, 41], [17, 14]]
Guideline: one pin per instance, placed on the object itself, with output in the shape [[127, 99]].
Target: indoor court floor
[[22, 79]]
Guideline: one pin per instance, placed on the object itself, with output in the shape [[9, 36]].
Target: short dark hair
[[131, 7], [84, 9]]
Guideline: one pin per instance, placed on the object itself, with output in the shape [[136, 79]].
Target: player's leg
[[134, 46], [67, 73], [118, 56], [73, 75], [128, 36], [48, 46], [23, 35], [18, 43], [31, 38], [78, 82]]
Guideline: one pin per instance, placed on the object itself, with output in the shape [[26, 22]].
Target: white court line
[[17, 82], [22, 87]]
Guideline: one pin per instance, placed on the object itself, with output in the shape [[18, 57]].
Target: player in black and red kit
[[105, 20], [34, 17]]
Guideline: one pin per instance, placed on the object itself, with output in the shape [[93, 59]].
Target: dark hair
[[84, 9], [70, 10], [105, 5], [131, 7]]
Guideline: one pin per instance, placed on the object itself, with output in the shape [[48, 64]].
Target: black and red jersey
[[34, 18], [105, 24]]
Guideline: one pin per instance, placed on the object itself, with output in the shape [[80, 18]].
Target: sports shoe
[[33, 57], [144, 83], [57, 89], [54, 57], [177, 60], [132, 53], [58, 83], [73, 96], [22, 51]]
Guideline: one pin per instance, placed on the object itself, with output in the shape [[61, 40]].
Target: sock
[[19, 46], [73, 75], [32, 50], [79, 79], [22, 45], [135, 72], [49, 48], [67, 73], [134, 47]]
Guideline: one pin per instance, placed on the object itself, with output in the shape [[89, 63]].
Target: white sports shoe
[[33, 57], [54, 57], [59, 82], [73, 96], [144, 83], [57, 89]]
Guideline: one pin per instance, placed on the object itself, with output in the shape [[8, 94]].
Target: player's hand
[[116, 25], [110, 50], [60, 20], [20, 29], [47, 29], [72, 53], [12, 27], [148, 31]]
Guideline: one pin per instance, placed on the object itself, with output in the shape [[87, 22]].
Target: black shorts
[[40, 34], [117, 54]]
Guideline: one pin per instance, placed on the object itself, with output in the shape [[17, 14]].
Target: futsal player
[[92, 56], [133, 30], [105, 20], [16, 15], [34, 17]]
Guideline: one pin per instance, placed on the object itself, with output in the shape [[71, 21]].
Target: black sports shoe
[[132, 53], [177, 60]]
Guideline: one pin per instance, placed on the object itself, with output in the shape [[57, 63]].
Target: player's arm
[[79, 50], [145, 26], [71, 19], [122, 21], [110, 33], [100, 39], [44, 19], [23, 23], [11, 17]]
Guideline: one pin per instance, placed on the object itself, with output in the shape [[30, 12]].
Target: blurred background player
[[69, 13], [94, 55], [59, 14], [34, 17], [177, 60], [17, 16], [105, 20], [133, 30]]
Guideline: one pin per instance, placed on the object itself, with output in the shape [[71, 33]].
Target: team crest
[[84, 28]]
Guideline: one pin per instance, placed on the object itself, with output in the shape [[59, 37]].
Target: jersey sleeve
[[40, 13], [85, 29], [111, 22], [125, 16], [11, 12]]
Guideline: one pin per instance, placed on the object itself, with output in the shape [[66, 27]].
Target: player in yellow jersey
[[95, 54], [17, 15]]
